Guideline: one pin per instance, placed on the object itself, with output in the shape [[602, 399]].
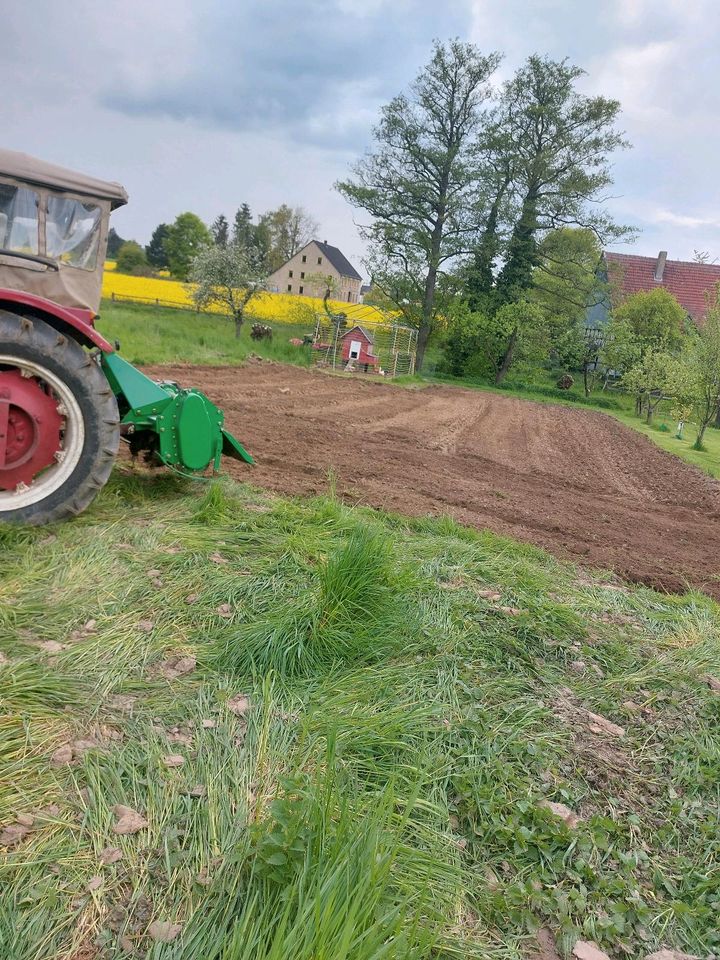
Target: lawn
[[237, 727], [164, 335]]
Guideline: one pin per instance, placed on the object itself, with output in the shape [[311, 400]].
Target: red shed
[[357, 347]]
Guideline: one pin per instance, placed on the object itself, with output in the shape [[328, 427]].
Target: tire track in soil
[[574, 482]]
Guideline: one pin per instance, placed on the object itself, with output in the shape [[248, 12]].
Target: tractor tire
[[78, 409]]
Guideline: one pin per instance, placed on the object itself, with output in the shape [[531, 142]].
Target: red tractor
[[66, 395]]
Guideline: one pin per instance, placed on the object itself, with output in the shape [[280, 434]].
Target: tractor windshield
[[18, 219], [72, 231]]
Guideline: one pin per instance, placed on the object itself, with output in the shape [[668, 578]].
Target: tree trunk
[[701, 433], [428, 305], [507, 359], [585, 379], [238, 324]]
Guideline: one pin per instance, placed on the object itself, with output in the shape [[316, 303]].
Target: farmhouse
[[301, 274], [693, 285]]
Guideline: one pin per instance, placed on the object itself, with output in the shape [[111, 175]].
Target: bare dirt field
[[575, 482]]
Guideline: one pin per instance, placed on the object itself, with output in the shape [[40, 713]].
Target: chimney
[[660, 266]]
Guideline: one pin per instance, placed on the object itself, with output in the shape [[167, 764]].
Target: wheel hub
[[30, 429]]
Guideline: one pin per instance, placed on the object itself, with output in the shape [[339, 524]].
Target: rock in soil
[[587, 950]]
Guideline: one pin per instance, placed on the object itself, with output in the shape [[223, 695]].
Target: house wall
[[282, 282]]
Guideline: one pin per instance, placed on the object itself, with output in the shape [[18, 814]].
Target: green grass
[[150, 334], [372, 728]]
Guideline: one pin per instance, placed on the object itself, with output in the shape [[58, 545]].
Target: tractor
[[66, 395]]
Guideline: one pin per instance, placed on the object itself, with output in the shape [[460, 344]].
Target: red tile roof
[[692, 284]]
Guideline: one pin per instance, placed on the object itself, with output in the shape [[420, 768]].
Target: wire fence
[[387, 349], [158, 302]]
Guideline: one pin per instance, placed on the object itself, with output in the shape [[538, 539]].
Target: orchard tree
[[651, 378], [220, 231], [185, 239], [419, 184], [155, 250], [229, 277], [701, 369]]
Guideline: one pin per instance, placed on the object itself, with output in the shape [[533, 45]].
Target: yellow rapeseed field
[[268, 307]]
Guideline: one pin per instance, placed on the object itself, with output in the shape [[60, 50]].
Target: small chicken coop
[[356, 347], [342, 342]]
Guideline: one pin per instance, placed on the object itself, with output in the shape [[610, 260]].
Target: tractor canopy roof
[[21, 166], [53, 230]]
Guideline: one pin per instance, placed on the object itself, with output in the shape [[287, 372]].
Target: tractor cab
[[53, 231]]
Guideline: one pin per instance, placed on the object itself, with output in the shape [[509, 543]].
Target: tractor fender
[[73, 323]]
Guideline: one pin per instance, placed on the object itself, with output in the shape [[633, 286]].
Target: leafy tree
[[419, 185], [621, 349], [155, 250], [114, 242], [650, 379], [478, 342], [546, 148], [656, 319], [184, 241], [131, 258], [285, 231], [227, 276], [698, 374], [220, 231], [566, 279]]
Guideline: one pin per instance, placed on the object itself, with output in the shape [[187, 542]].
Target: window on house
[[304, 259], [349, 296], [302, 275], [319, 260], [301, 289], [289, 288], [289, 273]]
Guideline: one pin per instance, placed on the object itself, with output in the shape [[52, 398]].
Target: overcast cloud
[[203, 105]]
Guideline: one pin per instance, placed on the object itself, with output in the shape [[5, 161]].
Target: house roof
[[368, 336], [338, 259], [690, 283]]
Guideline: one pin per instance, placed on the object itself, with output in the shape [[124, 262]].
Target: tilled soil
[[575, 482]]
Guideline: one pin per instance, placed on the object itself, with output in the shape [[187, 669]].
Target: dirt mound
[[575, 482]]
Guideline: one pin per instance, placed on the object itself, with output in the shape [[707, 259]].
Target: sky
[[205, 104]]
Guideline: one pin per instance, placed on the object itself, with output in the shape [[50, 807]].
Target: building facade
[[304, 274]]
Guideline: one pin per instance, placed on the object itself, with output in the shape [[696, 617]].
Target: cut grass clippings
[[337, 731]]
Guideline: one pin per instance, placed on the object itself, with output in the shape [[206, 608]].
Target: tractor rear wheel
[[59, 423]]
